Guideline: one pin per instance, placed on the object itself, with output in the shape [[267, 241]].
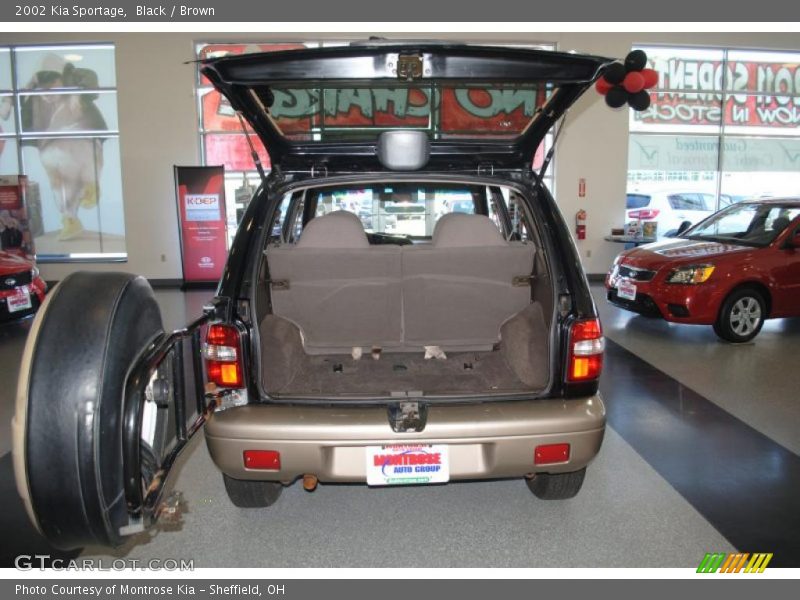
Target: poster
[[15, 228], [201, 215]]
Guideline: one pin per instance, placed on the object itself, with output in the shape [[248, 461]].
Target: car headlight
[[691, 274]]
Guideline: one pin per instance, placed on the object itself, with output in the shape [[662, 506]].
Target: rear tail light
[[644, 214], [223, 354], [586, 345], [550, 454]]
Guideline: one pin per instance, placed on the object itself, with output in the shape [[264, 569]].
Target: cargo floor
[[461, 372]]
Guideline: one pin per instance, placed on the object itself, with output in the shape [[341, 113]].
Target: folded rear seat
[[459, 290]]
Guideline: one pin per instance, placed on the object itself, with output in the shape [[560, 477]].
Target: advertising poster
[[201, 215], [15, 229]]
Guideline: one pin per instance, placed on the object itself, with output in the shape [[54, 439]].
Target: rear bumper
[[486, 441]]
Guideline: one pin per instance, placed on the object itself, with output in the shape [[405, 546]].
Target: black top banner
[[460, 11]]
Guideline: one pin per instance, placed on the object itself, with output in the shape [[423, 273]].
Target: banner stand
[[202, 222]]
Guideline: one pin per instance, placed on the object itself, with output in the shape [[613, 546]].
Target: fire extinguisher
[[580, 224]]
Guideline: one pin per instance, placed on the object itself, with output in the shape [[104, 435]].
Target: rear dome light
[[586, 346], [222, 352]]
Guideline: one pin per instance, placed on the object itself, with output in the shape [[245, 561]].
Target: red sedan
[[21, 288], [733, 270]]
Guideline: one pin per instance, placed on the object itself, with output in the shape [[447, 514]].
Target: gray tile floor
[[756, 382], [626, 515]]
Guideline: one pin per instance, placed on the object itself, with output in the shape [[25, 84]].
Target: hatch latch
[[409, 66], [408, 416]]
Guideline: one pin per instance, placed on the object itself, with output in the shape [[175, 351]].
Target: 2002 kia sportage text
[[402, 304]]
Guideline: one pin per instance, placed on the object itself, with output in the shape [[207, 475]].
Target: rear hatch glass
[[478, 104]]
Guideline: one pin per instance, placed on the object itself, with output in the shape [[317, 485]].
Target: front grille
[[635, 274], [9, 282], [644, 304]]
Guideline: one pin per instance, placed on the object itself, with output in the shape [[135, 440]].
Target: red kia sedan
[[21, 288], [733, 270]]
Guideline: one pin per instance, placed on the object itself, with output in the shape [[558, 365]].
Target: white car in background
[[669, 208]]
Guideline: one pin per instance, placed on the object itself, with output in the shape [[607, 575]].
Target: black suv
[[402, 304]]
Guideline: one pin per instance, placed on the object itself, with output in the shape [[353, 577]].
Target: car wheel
[[67, 429], [556, 486], [741, 316], [252, 494]]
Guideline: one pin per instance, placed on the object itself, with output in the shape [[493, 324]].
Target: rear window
[[488, 111], [637, 201], [400, 209]]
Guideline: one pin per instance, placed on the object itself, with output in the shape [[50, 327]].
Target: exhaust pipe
[[310, 482]]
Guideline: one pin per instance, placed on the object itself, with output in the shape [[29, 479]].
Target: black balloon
[[636, 60], [616, 96], [615, 73], [639, 100]]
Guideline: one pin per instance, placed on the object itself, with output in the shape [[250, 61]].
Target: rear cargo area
[[467, 314], [518, 363]]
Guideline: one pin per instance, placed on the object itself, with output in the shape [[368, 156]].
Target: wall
[[158, 129]]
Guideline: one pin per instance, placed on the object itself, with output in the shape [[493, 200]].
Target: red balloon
[[633, 82], [650, 78], [602, 86]]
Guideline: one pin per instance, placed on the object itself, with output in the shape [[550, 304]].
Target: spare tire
[[67, 434]]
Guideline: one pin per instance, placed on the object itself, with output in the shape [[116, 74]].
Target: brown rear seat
[[455, 293]]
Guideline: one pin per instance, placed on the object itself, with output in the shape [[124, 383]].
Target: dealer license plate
[[626, 290], [20, 300], [407, 464]]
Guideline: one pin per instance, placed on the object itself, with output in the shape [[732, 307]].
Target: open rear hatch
[[325, 107]]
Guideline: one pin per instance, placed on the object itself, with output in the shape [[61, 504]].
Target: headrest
[[455, 230], [339, 229]]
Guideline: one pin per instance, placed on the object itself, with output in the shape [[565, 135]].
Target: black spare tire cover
[[94, 327]]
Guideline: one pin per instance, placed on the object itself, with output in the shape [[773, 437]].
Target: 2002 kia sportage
[[452, 338]]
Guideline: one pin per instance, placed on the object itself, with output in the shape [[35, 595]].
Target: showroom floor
[[701, 455]]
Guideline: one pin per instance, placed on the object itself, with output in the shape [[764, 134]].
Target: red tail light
[[644, 214], [586, 345], [223, 356]]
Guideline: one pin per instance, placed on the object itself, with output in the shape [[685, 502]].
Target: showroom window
[[223, 143], [59, 127], [723, 126]]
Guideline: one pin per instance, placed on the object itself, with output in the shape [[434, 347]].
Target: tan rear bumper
[[489, 440]]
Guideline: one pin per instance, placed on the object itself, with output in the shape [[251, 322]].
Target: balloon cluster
[[628, 82]]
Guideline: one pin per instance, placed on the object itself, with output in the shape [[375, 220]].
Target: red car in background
[[21, 289], [733, 270]]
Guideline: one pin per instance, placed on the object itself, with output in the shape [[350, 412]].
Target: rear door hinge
[[486, 169], [319, 171]]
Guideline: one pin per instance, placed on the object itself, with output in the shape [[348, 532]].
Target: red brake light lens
[[268, 460], [586, 346], [223, 356], [550, 454]]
